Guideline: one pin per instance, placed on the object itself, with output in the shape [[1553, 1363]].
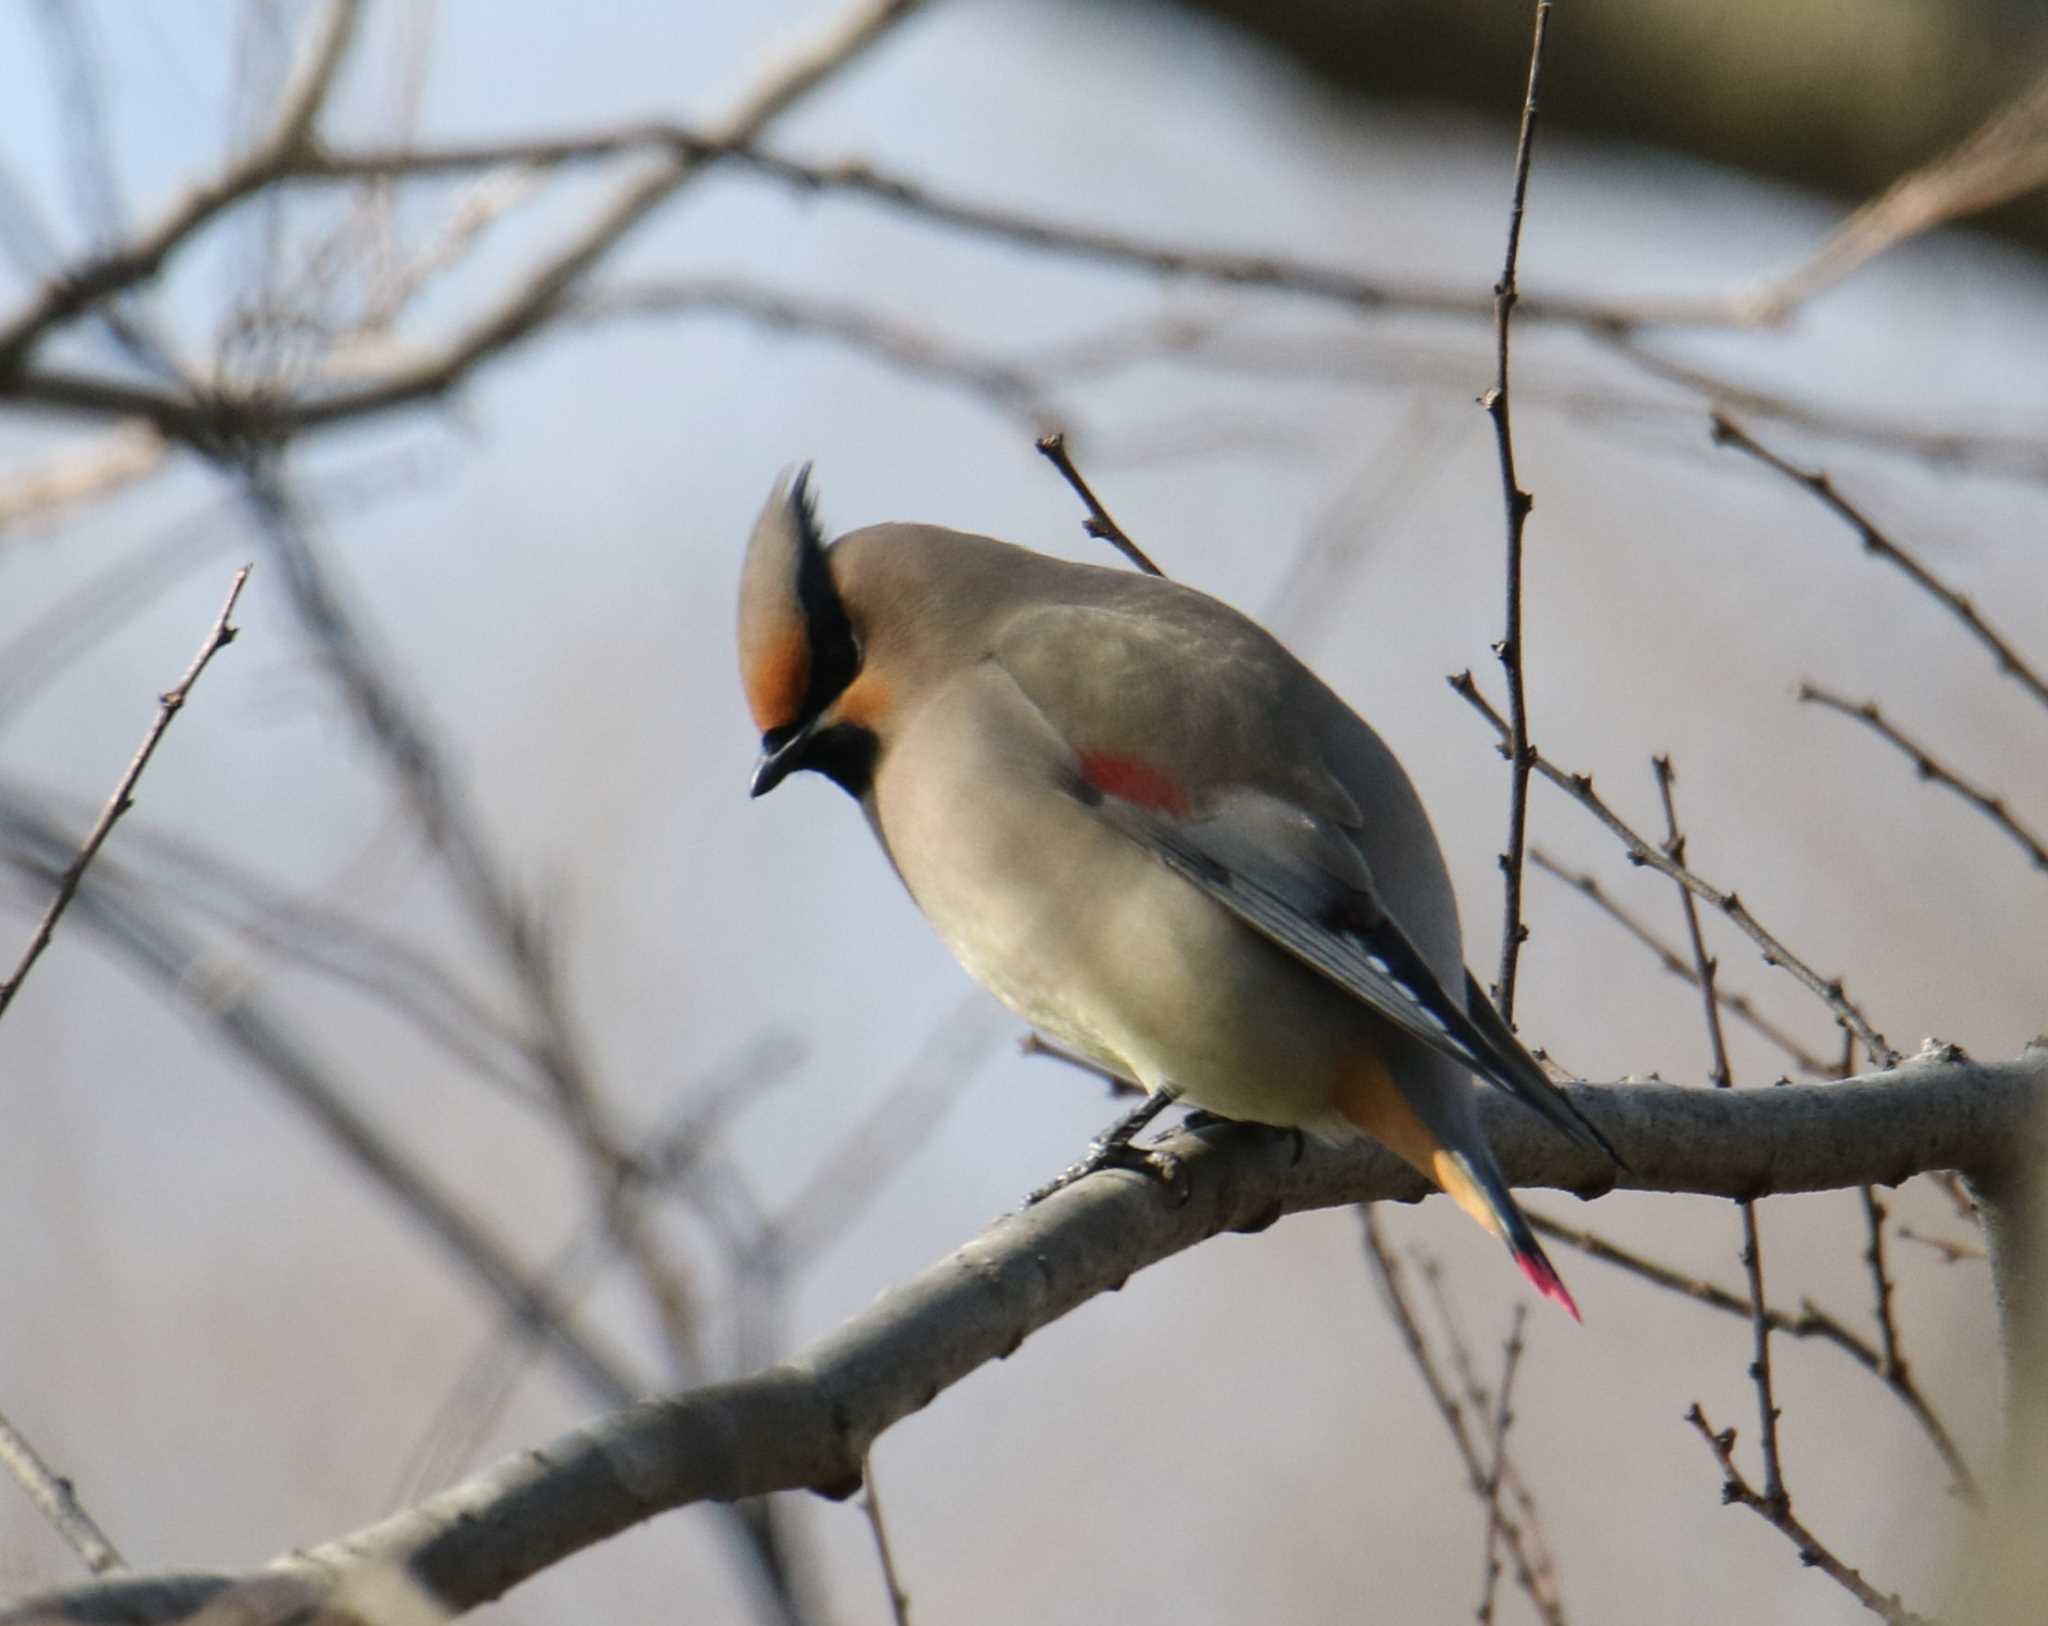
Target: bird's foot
[[1112, 1149], [1117, 1154]]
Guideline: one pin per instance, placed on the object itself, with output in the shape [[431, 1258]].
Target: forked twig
[[1098, 524], [1579, 787], [169, 704], [1704, 965], [1727, 432], [1812, 1550], [1810, 1322]]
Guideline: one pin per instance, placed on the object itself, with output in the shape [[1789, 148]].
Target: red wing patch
[[1134, 781]]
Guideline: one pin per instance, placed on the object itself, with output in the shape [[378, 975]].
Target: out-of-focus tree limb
[[809, 1422], [137, 261], [1845, 98]]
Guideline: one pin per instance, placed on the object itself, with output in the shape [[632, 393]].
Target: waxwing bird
[[1148, 829]]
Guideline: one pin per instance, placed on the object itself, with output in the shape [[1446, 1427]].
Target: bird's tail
[[1476, 1186]]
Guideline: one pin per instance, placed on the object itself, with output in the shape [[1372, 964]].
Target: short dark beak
[[782, 753]]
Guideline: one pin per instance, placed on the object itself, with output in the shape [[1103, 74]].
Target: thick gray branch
[[808, 1422]]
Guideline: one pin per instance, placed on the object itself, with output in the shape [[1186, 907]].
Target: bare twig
[[2003, 158], [871, 1505], [1036, 1044], [1740, 1006], [56, 1498], [1952, 1252], [1013, 390], [1098, 524], [79, 474], [218, 636], [1497, 1451], [1531, 1575], [1881, 1285], [1996, 450], [1502, 1477], [1727, 432], [1513, 931], [1276, 273], [1810, 1322], [1778, 1514], [1991, 806], [1723, 1078], [1579, 787]]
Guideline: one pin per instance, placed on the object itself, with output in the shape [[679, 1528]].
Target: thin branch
[[1777, 1513], [2003, 158], [218, 636], [56, 1498], [1881, 1286], [1729, 433], [1035, 1043], [2001, 450], [1991, 806], [1740, 1006], [1482, 1404], [871, 1505], [1013, 390], [1513, 931], [809, 1421], [1579, 787], [1532, 1573], [1952, 1252], [78, 474], [1723, 1078], [1269, 272], [1098, 524], [1811, 1322], [1497, 1453]]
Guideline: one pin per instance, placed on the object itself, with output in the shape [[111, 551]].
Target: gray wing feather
[[1303, 886]]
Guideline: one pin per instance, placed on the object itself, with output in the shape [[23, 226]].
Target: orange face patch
[[864, 703], [776, 677]]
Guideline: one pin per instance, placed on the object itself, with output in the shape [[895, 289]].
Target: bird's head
[[801, 651]]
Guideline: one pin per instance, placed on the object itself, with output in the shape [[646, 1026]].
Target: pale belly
[[1097, 943]]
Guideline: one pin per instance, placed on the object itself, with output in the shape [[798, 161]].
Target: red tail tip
[[1547, 1282]]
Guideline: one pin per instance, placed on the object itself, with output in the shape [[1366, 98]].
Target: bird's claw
[[1118, 1154]]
